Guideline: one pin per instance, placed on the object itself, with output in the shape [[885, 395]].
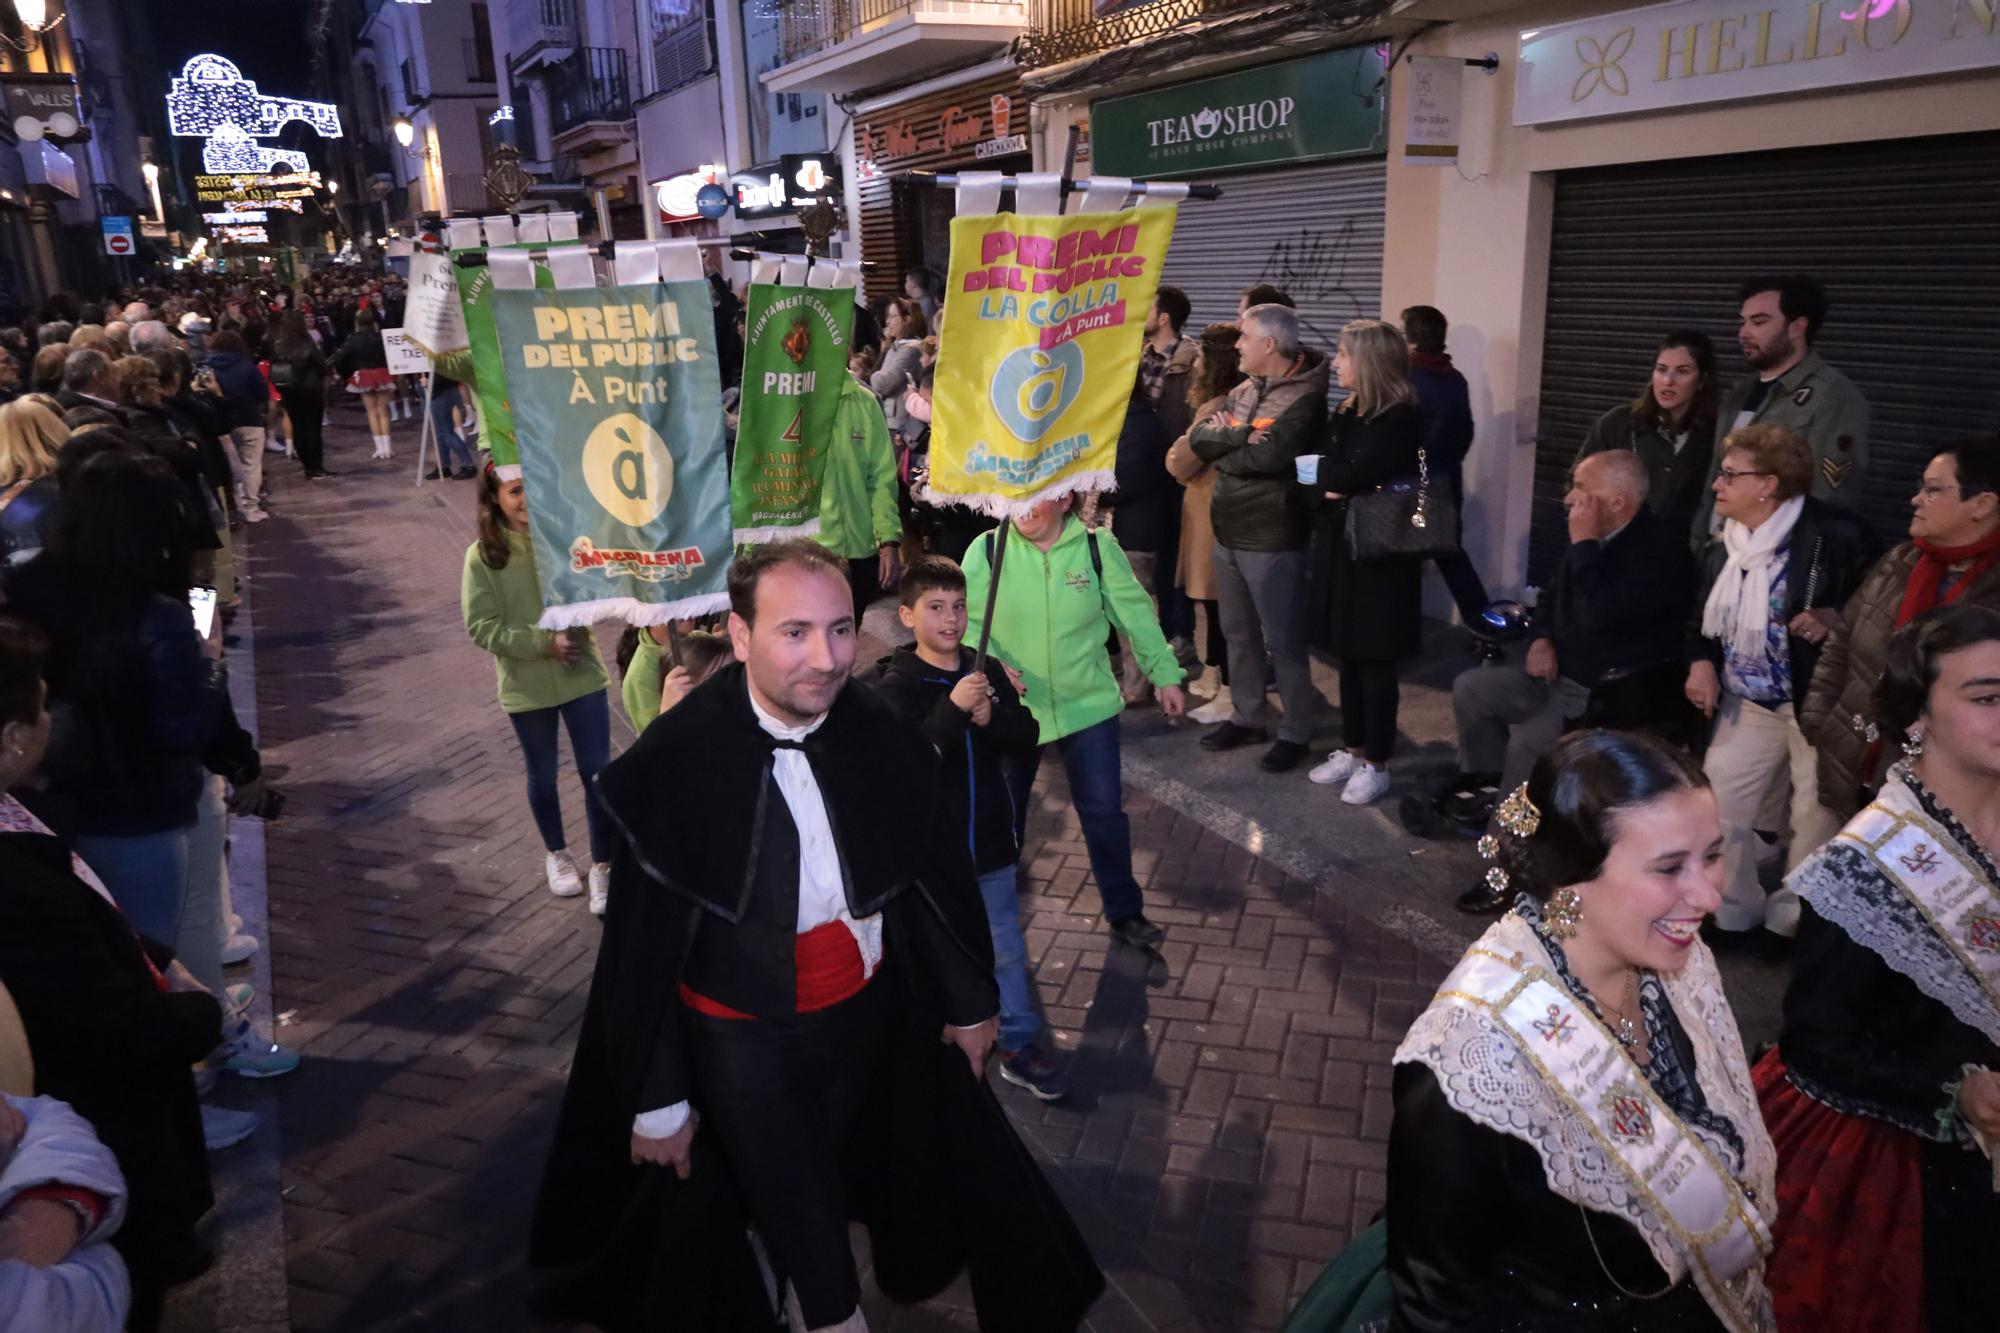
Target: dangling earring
[[1563, 913], [1913, 743]]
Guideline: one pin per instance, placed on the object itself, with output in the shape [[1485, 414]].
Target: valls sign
[[1298, 111], [1698, 51]]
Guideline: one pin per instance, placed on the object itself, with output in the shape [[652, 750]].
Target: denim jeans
[[1019, 1023], [589, 723], [1090, 758], [449, 441], [147, 875]]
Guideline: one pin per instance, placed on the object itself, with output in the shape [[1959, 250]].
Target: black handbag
[[1403, 520]]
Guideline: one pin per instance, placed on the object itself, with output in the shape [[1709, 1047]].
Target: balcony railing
[[590, 85], [533, 25], [808, 26], [1060, 30]]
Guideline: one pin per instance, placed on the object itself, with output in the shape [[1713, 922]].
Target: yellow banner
[[1043, 321]]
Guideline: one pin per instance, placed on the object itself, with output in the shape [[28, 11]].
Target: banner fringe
[[632, 611], [1001, 506], [766, 536]]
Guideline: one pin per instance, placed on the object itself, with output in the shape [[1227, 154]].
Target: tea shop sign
[[1697, 51]]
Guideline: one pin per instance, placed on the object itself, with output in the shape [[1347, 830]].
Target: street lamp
[[406, 133], [35, 20], [152, 174]]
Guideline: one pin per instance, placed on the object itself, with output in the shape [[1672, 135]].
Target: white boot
[[1217, 709], [382, 446]]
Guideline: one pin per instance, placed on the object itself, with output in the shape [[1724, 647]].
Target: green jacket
[[501, 607], [643, 682], [1820, 403], [857, 490], [1052, 618]]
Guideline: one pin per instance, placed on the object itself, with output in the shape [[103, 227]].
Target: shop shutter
[[1315, 231], [1903, 233]]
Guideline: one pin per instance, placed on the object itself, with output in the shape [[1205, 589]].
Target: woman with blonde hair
[[1215, 372], [1772, 586], [1368, 609], [31, 432]]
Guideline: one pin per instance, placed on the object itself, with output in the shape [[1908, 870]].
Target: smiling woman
[[1576, 1143]]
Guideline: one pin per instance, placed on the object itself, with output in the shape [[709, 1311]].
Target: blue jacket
[[244, 393], [1447, 407]]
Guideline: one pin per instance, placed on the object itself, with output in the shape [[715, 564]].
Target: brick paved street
[[1225, 1137]]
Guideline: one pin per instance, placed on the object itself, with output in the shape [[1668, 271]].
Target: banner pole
[[992, 595], [424, 433]]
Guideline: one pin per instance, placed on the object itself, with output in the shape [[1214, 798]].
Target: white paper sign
[[432, 314], [405, 357], [1430, 115], [1697, 51]]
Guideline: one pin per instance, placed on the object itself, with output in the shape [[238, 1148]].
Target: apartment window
[[479, 47], [683, 49]]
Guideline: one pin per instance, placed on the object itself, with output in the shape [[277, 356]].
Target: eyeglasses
[[1731, 474]]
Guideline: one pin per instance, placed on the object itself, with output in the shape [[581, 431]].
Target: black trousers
[[307, 413], [1369, 693], [864, 578], [783, 1100]]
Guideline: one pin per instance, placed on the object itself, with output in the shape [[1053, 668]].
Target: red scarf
[[1920, 594]]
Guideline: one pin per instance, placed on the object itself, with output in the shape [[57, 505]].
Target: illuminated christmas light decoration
[[504, 113], [211, 92], [236, 217], [229, 149], [244, 235]]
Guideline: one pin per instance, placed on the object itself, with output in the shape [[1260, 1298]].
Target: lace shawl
[[1486, 1078], [1844, 885]]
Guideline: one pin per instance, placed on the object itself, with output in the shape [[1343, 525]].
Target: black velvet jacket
[[946, 1185]]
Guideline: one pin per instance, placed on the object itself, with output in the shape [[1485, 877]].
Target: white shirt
[[822, 895]]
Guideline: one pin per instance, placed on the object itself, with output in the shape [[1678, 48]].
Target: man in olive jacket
[[1262, 529]]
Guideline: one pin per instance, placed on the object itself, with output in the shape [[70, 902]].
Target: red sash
[[829, 971]]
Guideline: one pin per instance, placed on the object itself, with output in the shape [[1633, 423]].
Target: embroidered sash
[[1953, 897], [1606, 1138]]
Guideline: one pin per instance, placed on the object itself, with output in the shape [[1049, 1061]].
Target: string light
[[211, 92]]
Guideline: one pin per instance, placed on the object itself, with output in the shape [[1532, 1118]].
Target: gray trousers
[[1262, 599], [1506, 718]]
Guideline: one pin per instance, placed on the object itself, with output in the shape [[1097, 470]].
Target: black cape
[[936, 1173]]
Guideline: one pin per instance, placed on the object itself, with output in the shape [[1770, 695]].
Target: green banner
[[1333, 104], [489, 382], [795, 346], [617, 408]]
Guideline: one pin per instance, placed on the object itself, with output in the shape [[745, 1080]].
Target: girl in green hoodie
[[546, 679]]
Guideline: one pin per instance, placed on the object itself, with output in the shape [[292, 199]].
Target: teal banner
[[617, 405]]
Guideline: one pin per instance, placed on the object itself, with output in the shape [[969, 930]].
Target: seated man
[[1621, 590]]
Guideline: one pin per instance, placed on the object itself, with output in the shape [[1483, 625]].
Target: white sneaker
[[238, 949], [224, 1128], [1368, 783], [563, 880], [1337, 767], [600, 887], [1218, 709], [254, 516], [275, 446]]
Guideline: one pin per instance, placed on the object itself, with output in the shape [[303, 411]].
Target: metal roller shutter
[[1905, 234], [1315, 231]]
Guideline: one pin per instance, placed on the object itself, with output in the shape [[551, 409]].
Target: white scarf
[[1739, 605]]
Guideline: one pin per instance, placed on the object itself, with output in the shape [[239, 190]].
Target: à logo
[[1032, 388]]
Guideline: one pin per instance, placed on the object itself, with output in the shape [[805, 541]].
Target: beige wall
[[1474, 241]]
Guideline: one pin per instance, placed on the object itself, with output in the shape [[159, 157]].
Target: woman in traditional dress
[[1576, 1144], [1883, 1095]]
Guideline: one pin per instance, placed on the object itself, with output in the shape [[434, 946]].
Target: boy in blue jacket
[[973, 724]]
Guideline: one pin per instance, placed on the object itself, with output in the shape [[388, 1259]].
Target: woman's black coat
[[1368, 611], [108, 1041]]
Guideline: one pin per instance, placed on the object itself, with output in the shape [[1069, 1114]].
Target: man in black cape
[[792, 929]]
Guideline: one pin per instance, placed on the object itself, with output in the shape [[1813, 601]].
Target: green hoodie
[[1050, 624], [501, 607], [857, 490]]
